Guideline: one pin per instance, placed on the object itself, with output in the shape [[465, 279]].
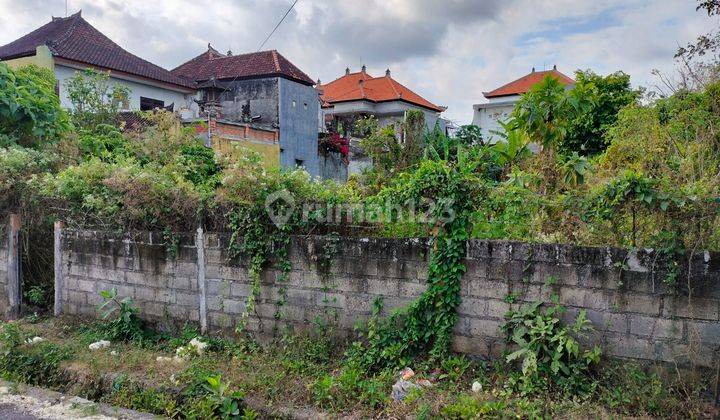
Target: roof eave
[[435, 108], [67, 61]]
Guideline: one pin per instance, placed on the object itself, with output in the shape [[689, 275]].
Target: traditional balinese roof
[[361, 86], [214, 65], [523, 84], [73, 38]]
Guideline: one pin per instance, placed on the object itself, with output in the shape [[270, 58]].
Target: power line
[[278, 25]]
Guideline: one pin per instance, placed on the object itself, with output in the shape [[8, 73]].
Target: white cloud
[[448, 51]]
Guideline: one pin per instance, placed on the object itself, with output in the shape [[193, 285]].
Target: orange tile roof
[[523, 84], [361, 86]]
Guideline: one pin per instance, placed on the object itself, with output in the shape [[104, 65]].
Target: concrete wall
[[4, 304], [42, 58], [298, 126], [487, 115], [333, 167], [635, 315], [261, 94], [387, 113], [137, 89]]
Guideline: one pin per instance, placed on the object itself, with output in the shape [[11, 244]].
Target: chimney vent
[[533, 70], [387, 73], [554, 66], [229, 53], [347, 71], [363, 68]]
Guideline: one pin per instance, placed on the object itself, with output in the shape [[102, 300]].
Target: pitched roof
[[213, 65], [523, 84], [73, 38], [362, 86]]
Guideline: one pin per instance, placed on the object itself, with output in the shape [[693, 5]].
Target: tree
[[586, 131], [706, 43], [545, 111], [95, 101], [469, 135], [30, 111]]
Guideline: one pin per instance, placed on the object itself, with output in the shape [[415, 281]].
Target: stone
[[424, 383], [401, 388], [99, 345], [476, 387], [407, 373], [34, 340]]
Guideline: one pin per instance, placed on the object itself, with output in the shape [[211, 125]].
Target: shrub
[[126, 326], [549, 353], [30, 111]]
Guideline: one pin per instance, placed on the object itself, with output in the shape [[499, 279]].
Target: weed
[[468, 406], [36, 296], [226, 405], [454, 368], [127, 326], [549, 353]]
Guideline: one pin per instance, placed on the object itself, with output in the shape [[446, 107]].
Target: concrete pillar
[[200, 246], [13, 267], [59, 278]]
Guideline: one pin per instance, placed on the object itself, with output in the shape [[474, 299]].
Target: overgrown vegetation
[[591, 165], [302, 371]]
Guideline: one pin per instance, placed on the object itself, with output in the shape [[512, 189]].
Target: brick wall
[[634, 313]]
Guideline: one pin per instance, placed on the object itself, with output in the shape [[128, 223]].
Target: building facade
[[358, 95], [501, 101], [264, 91], [69, 45]]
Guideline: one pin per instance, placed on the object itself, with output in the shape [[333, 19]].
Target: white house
[[71, 44], [501, 101]]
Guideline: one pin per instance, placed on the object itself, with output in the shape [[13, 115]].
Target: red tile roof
[[361, 86], [523, 84], [73, 38], [212, 64]]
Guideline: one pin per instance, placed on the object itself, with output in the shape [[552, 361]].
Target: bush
[[30, 111], [126, 326], [549, 353]]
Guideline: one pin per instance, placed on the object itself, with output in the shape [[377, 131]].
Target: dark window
[[299, 163], [148, 104]]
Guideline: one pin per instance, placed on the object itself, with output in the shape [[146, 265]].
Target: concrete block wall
[[635, 314], [137, 266], [4, 304]]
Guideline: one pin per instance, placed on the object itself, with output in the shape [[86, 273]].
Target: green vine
[[425, 326]]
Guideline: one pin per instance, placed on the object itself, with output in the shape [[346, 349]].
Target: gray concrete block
[[659, 328], [473, 307], [635, 303], [497, 308], [383, 287], [693, 307]]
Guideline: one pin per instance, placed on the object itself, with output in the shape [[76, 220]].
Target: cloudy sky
[[449, 51]]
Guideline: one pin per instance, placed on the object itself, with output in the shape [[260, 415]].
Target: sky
[[449, 51]]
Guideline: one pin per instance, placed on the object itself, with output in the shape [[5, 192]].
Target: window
[[305, 105], [294, 103], [148, 104], [299, 163]]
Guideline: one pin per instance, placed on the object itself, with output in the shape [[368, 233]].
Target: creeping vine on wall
[[424, 328]]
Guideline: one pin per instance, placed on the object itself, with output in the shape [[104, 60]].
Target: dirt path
[[19, 402]]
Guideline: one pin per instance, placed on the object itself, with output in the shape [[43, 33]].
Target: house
[[357, 95], [502, 100], [71, 44], [260, 100]]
